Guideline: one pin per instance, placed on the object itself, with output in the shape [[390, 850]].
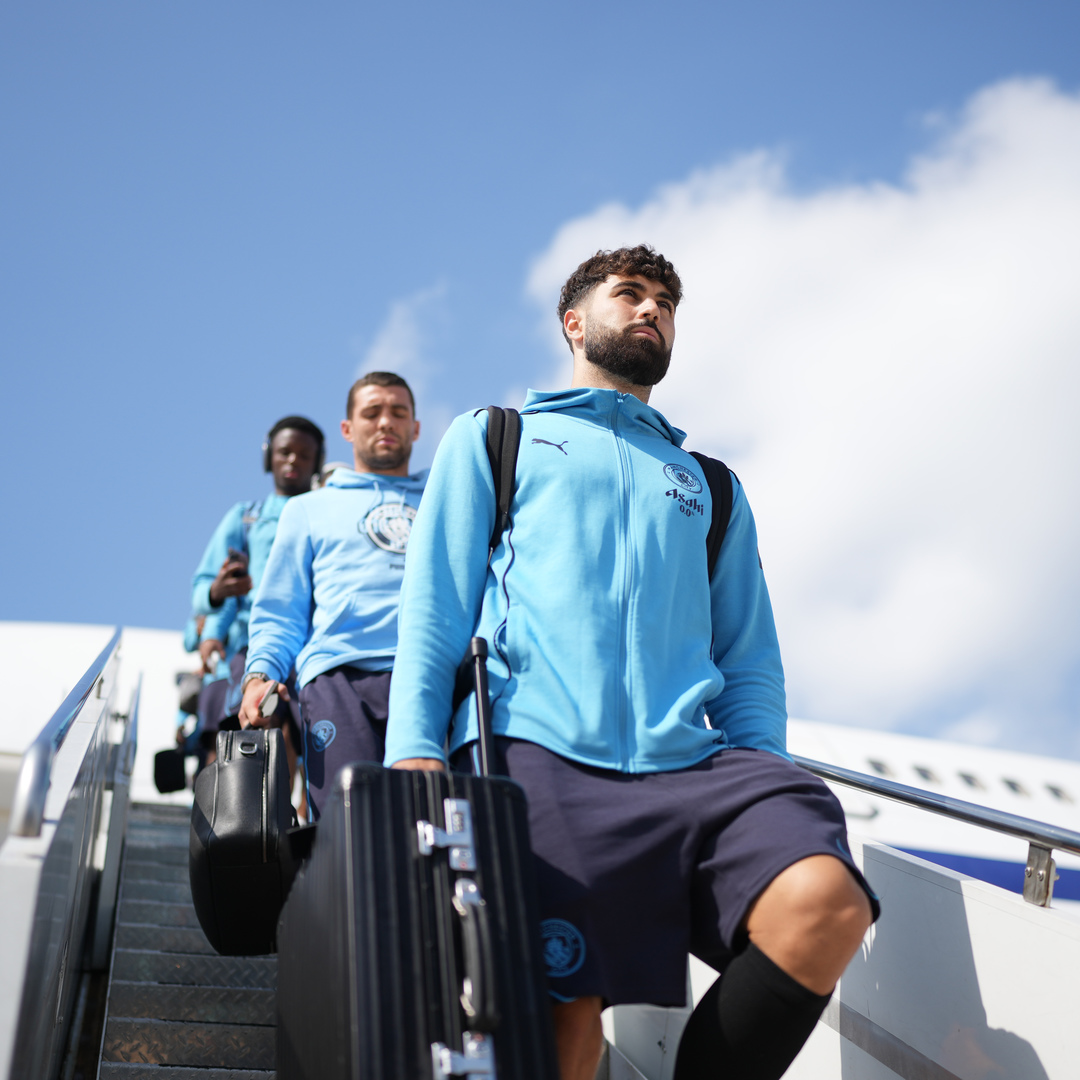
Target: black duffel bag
[[244, 851]]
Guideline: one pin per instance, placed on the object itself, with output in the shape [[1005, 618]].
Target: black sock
[[750, 1025]]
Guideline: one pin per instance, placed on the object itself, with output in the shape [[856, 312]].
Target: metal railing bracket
[[1039, 876]]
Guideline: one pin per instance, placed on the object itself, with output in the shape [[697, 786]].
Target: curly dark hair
[[641, 261], [378, 378]]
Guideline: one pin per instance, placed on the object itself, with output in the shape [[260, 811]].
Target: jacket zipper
[[624, 601]]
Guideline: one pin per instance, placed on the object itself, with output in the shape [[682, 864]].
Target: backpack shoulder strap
[[503, 438], [718, 477]]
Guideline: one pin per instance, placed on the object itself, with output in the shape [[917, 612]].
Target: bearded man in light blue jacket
[[328, 600], [639, 702]]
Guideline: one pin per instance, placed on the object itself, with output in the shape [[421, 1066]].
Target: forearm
[[276, 634], [229, 533], [445, 573], [280, 620], [751, 710], [218, 621]]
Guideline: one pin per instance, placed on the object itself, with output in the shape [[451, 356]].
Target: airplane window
[[1014, 786], [1059, 793], [927, 774], [879, 767], [971, 780]]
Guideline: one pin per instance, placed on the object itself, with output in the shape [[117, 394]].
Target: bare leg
[[804, 928], [579, 1038], [291, 757], [302, 806], [810, 920]]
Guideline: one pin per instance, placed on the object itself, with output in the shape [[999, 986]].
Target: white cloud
[[403, 344], [400, 343], [894, 371]]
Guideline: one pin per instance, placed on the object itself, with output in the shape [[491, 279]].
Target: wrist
[[251, 676]]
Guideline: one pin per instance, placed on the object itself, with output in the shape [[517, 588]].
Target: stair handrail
[[32, 786], [1042, 838]]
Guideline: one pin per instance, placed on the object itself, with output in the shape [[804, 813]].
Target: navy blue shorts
[[211, 711], [635, 870], [344, 720]]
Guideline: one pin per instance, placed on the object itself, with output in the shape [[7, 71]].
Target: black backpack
[[503, 438]]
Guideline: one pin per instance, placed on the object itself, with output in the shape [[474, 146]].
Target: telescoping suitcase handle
[[485, 757], [479, 998]]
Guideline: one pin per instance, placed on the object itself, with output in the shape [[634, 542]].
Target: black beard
[[632, 358], [387, 459]]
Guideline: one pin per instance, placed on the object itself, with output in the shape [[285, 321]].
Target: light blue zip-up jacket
[[329, 595], [609, 646], [250, 527]]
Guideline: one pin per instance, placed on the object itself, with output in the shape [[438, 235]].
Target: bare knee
[[578, 1037], [810, 920]]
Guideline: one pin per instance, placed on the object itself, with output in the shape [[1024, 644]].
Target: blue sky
[[211, 216]]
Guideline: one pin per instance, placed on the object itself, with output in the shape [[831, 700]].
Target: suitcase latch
[[457, 836], [476, 1062]]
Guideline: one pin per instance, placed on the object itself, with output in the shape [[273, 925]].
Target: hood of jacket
[[598, 405], [349, 478]]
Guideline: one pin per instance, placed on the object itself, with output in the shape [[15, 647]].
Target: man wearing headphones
[[328, 602], [236, 556]]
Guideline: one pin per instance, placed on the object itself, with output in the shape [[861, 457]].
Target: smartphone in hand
[[238, 557], [268, 703]]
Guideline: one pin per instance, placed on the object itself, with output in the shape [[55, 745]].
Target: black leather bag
[[241, 860]]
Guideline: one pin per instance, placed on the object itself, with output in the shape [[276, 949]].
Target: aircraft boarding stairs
[[107, 974]]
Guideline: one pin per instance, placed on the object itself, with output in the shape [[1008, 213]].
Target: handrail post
[[32, 786], [28, 804], [1039, 875]]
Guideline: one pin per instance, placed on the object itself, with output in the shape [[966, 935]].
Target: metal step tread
[[166, 939], [207, 1004], [168, 1042], [151, 966], [157, 844], [157, 913], [143, 813], [174, 892], [165, 870], [177, 1010], [124, 1070]]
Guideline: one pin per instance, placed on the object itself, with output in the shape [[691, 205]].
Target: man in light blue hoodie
[[639, 702], [328, 601], [233, 563]]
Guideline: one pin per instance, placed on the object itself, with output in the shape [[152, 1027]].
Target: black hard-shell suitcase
[[240, 861], [409, 948]]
